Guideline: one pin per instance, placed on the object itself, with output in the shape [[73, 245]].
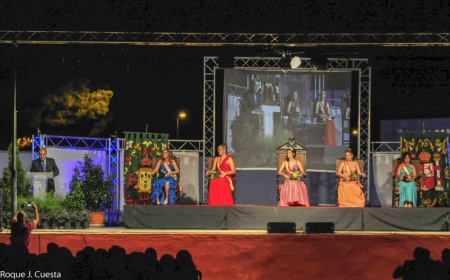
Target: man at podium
[[45, 164]]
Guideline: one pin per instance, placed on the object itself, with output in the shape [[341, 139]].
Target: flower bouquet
[[213, 175], [407, 178], [295, 175], [353, 177]]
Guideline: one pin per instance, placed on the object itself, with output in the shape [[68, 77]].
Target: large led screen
[[263, 109]]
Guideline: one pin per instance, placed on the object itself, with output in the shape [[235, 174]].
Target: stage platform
[[233, 242], [253, 217]]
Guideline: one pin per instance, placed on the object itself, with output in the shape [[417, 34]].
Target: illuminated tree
[[75, 104]]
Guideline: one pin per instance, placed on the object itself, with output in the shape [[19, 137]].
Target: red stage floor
[[255, 254]]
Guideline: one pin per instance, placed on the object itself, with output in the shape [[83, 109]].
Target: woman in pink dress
[[350, 192], [293, 192], [222, 187]]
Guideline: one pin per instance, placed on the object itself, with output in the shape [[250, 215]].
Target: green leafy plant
[[74, 200], [98, 190], [23, 183], [49, 207]]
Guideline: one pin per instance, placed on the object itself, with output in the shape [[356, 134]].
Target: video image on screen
[[262, 109]]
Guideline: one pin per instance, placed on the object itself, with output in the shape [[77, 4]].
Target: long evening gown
[[293, 192], [330, 128], [158, 186], [350, 193], [220, 189], [407, 190]]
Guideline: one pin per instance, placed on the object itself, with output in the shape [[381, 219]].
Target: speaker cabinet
[[319, 227], [281, 227]]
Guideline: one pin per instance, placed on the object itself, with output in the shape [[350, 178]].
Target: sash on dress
[[168, 170], [347, 167], [408, 174], [230, 180]]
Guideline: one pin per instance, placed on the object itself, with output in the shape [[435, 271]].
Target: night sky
[[151, 84]]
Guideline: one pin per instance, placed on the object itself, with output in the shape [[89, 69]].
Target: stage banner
[[141, 149], [431, 148]]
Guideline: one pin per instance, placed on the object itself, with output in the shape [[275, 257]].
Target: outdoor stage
[[233, 243]]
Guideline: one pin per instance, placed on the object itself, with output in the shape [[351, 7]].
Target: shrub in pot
[[98, 190]]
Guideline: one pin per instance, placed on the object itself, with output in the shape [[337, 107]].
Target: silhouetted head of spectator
[[52, 247], [167, 263], [116, 250], [445, 256], [151, 255], [185, 258], [421, 254]]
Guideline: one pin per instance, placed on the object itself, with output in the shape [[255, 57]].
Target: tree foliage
[[89, 180], [23, 183], [76, 103]]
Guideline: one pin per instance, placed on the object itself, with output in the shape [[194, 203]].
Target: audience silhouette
[[423, 267], [90, 263]]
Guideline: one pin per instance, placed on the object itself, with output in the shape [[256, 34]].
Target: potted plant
[[77, 218], [44, 217], [49, 209], [98, 189], [74, 203], [86, 218]]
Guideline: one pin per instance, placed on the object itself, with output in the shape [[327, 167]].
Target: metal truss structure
[[224, 39], [210, 64], [288, 40], [386, 147], [274, 63], [113, 147]]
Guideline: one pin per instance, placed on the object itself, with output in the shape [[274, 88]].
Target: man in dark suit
[[45, 164], [252, 97]]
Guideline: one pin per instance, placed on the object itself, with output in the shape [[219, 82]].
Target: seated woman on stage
[[350, 192], [293, 192], [406, 173], [165, 189], [221, 188], [323, 110]]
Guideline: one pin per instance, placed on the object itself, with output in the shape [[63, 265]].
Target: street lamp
[[181, 115]]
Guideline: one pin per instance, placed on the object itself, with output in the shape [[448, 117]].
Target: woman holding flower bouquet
[[293, 191], [164, 189], [222, 174], [350, 192], [406, 173]]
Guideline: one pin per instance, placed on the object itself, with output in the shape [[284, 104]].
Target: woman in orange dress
[[293, 191], [350, 192], [222, 187]]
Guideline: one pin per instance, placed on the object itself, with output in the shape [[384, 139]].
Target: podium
[[39, 183], [267, 112]]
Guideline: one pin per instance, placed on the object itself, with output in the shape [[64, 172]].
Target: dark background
[[152, 83]]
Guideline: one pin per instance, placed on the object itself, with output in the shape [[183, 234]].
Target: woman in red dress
[[324, 112], [222, 187]]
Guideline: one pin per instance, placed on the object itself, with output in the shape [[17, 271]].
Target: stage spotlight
[[295, 62]]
